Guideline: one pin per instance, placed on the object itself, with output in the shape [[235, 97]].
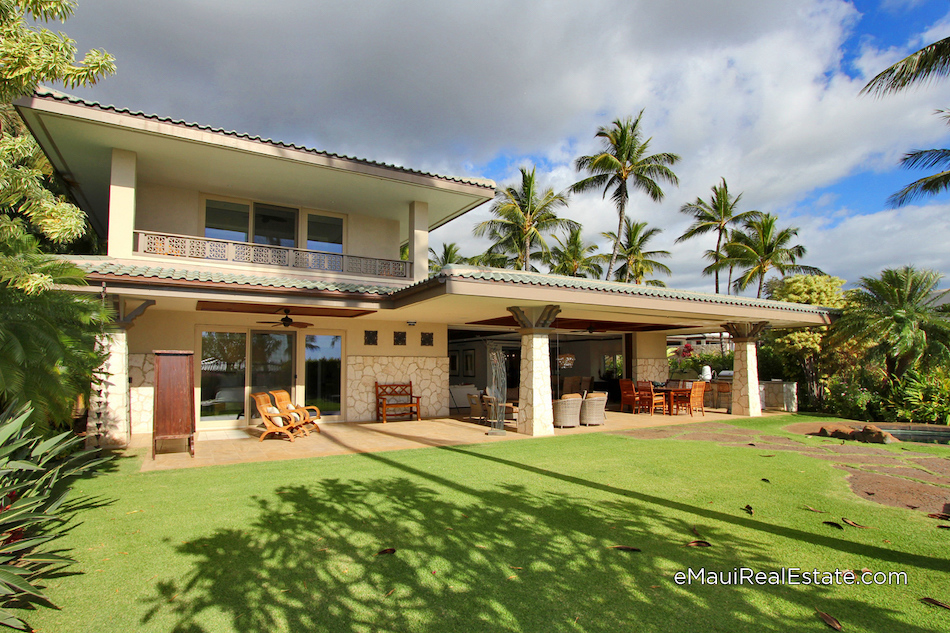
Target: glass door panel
[[272, 361], [223, 357], [323, 356]]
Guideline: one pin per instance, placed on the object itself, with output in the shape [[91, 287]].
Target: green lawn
[[511, 536]]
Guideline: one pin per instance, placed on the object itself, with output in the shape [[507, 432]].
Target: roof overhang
[[477, 297], [78, 138]]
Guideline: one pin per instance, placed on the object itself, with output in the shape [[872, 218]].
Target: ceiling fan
[[286, 321]]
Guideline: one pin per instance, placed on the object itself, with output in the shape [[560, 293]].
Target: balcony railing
[[168, 245]]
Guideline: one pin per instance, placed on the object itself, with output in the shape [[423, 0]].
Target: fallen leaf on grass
[[830, 621], [853, 524], [946, 527], [696, 532], [766, 480], [870, 494], [750, 444], [388, 550], [390, 592], [625, 548], [768, 455], [936, 603], [749, 509], [833, 524], [513, 567], [814, 510], [912, 507], [698, 544], [939, 516]]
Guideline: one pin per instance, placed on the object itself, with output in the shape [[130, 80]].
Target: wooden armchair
[[628, 395], [692, 400], [308, 414], [476, 412], [647, 398], [275, 421], [510, 411]]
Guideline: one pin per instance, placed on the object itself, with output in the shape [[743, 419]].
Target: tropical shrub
[[922, 396], [695, 362], [857, 395], [33, 471]]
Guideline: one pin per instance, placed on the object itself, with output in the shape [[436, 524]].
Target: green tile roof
[[108, 266], [575, 283]]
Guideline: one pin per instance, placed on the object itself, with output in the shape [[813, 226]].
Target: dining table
[[670, 393]]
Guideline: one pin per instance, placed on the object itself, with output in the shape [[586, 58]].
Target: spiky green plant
[[33, 471]]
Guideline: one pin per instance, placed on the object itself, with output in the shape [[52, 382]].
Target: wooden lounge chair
[[274, 420], [309, 414], [628, 395]]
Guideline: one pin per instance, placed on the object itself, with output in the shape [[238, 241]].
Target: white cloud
[[750, 90]]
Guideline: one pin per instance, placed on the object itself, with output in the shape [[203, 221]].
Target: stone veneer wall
[[779, 395], [109, 402], [655, 369], [745, 382], [429, 376], [141, 391]]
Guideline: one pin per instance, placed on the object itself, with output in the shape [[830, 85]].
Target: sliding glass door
[[272, 361], [323, 367]]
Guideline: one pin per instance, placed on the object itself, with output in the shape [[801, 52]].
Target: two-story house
[[279, 267]]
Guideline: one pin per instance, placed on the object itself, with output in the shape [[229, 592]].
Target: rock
[[840, 431]]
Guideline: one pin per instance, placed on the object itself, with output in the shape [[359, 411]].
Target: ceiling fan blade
[[300, 324], [268, 322]]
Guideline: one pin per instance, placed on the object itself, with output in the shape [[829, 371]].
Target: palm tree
[[622, 163], [523, 216], [450, 255], [927, 64], [898, 315], [716, 215], [637, 261], [762, 247], [492, 259], [573, 258], [724, 258]]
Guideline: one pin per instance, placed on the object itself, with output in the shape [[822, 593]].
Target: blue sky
[[763, 93]]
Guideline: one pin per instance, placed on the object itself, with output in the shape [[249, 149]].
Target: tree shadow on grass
[[500, 558]]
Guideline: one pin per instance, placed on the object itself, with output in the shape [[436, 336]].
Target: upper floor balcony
[[297, 259]]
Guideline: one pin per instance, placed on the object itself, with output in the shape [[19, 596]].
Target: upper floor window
[[227, 220], [272, 225], [275, 226], [324, 233]]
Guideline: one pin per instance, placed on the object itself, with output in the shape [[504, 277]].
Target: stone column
[[109, 421], [535, 410], [745, 382], [419, 240], [122, 204]]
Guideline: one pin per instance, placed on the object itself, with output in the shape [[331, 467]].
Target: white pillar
[[419, 240], [535, 409], [109, 421], [745, 380], [122, 203]]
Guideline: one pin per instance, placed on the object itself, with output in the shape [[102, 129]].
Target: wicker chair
[[308, 414], [628, 395], [567, 410], [593, 409], [275, 421]]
